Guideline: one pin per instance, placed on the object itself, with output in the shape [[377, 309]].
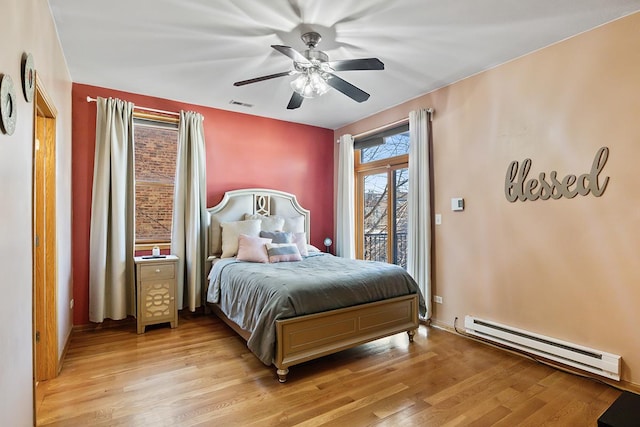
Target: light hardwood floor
[[202, 374]]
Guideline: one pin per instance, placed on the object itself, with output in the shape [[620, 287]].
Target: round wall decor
[[28, 76], [8, 105]]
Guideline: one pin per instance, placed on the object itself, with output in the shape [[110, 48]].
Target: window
[[156, 151], [382, 182], [384, 145]]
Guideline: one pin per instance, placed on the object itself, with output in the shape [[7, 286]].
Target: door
[[382, 215], [382, 187], [45, 326]]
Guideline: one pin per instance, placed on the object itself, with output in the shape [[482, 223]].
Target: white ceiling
[[193, 50]]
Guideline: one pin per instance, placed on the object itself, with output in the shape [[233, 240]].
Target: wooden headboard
[[236, 203]]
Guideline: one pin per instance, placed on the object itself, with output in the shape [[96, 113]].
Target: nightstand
[[156, 291]]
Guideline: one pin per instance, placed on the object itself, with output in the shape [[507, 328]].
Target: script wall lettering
[[518, 187]]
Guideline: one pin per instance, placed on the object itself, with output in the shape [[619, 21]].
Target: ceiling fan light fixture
[[310, 84]]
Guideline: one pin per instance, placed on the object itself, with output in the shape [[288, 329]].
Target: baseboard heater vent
[[587, 359]]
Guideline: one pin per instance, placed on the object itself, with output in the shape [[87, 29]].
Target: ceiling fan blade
[[347, 88], [357, 64], [259, 79], [291, 53], [295, 101]]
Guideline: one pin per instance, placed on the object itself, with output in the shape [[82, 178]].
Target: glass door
[[382, 215]]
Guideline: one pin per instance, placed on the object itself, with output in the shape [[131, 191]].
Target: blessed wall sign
[[518, 187]]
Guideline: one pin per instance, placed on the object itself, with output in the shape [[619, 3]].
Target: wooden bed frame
[[308, 337]]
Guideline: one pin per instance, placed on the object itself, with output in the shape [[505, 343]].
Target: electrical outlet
[[437, 299], [438, 219]]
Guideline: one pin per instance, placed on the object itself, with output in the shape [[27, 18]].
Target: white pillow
[[269, 223], [311, 248], [232, 230], [294, 225]]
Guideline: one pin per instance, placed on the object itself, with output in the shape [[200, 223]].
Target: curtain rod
[[387, 126], [153, 110]]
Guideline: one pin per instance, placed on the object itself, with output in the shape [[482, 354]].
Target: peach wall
[[242, 151], [564, 268]]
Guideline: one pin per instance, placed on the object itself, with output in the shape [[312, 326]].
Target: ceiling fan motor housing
[[316, 55], [311, 39]]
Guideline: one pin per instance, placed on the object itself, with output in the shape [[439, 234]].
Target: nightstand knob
[[157, 270]]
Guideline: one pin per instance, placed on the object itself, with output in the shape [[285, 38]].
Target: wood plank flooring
[[202, 374]]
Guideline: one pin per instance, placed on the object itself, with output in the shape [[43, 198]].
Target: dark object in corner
[[624, 412]]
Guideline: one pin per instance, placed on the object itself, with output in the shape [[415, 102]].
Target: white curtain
[[419, 201], [111, 241], [345, 216], [188, 236]]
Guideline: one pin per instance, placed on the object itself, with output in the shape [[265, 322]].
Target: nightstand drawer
[[158, 271]]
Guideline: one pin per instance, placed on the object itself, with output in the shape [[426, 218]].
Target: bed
[[301, 312]]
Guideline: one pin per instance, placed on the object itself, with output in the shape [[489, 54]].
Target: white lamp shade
[[310, 84]]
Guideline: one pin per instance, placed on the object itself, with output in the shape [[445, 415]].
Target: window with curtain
[[382, 182], [156, 150]]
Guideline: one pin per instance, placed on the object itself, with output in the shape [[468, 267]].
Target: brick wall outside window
[[155, 168]]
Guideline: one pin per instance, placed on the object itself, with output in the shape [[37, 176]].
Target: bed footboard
[[308, 337]]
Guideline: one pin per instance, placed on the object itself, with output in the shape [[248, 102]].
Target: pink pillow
[[252, 249], [300, 239]]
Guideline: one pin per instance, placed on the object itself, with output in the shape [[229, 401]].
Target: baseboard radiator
[[584, 358]]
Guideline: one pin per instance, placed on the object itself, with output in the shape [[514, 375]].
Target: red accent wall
[[242, 151]]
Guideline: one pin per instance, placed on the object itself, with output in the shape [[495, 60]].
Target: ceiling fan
[[316, 73]]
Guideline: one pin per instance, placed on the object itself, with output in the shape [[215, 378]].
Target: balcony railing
[[375, 248]]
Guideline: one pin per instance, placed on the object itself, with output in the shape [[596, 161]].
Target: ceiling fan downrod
[[311, 39]]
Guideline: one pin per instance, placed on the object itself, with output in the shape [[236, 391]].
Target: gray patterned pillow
[[283, 252], [278, 236]]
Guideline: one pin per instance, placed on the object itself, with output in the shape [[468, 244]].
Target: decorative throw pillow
[[278, 236], [232, 230], [300, 239], [269, 223], [294, 225], [312, 248], [252, 249], [283, 252]]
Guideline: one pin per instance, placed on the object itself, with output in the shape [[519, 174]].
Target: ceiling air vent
[[242, 104]]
